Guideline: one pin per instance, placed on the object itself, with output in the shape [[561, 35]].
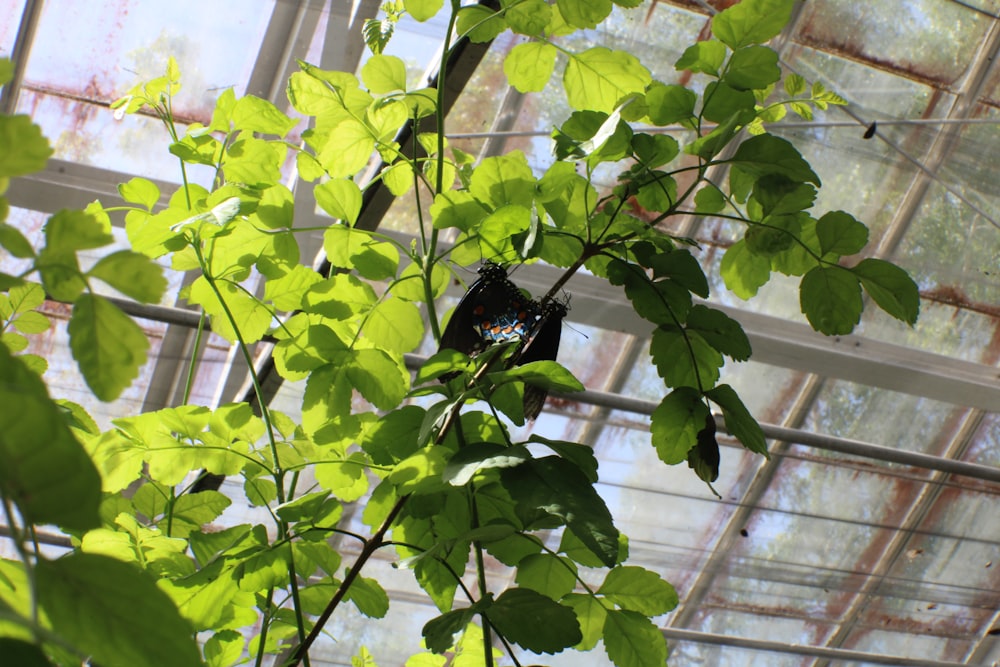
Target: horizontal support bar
[[678, 634], [644, 407]]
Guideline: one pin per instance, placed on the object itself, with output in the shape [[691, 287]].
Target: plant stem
[[371, 546], [262, 637], [484, 589], [29, 572]]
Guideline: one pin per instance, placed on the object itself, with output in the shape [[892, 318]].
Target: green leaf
[[384, 74], [722, 102], [251, 317], [369, 597], [502, 180], [549, 375], [752, 68], [590, 614], [378, 378], [253, 162], [662, 302], [766, 154], [631, 640], [840, 233], [253, 114], [394, 437], [777, 235], [739, 422], [795, 84], [559, 488], [456, 208], [6, 71], [441, 633], [681, 266], [637, 589], [287, 292], [659, 193], [14, 241], [420, 473], [345, 479], [45, 471], [140, 191], [477, 456], [670, 104], [599, 78], [25, 298], [751, 22], [709, 199], [108, 346], [529, 17], [684, 360], [654, 150], [23, 147], [31, 323], [580, 455], [352, 248], [395, 325], [893, 290], [480, 24], [534, 621], [711, 144], [194, 510], [704, 457], [720, 331], [550, 575], [398, 177], [22, 653], [224, 648], [779, 195], [132, 274], [529, 66], [114, 612], [70, 230], [422, 10], [830, 297], [705, 56], [744, 272], [584, 13], [347, 149], [675, 424]]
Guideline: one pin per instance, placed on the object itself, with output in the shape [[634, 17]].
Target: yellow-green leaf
[[108, 346]]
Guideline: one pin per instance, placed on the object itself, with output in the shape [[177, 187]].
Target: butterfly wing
[[544, 347], [463, 331]]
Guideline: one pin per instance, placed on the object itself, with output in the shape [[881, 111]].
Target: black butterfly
[[494, 310], [544, 347]]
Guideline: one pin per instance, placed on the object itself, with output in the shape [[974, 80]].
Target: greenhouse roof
[[871, 533]]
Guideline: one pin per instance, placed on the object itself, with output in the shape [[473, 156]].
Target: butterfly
[[494, 310], [544, 347]]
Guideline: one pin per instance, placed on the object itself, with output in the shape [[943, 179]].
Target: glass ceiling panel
[[985, 447], [945, 327], [848, 410], [84, 57], [10, 19], [96, 52], [928, 39], [691, 653], [904, 644], [89, 134], [953, 250]]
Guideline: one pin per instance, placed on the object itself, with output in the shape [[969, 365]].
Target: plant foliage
[[441, 483]]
